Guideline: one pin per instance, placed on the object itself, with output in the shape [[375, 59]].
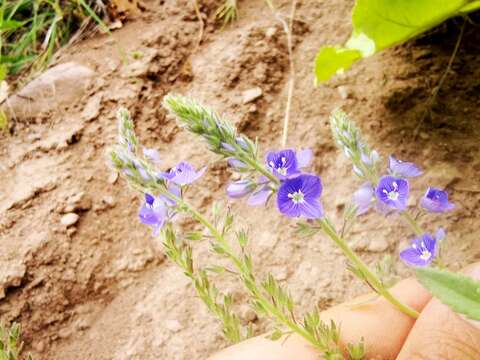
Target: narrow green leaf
[[458, 291], [194, 236], [3, 71], [277, 334], [10, 25]]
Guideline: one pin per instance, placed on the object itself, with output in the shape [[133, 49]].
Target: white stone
[[92, 108], [60, 85], [113, 177], [173, 325], [251, 94], [378, 245], [69, 219], [11, 274]]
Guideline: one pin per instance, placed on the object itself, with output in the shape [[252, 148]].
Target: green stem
[[412, 222], [256, 292], [327, 228], [254, 164], [372, 279]]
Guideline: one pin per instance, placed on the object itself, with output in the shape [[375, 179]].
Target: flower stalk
[[268, 298], [245, 272], [197, 119]]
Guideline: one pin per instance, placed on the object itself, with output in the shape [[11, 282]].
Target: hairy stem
[[246, 274], [412, 222], [372, 279]]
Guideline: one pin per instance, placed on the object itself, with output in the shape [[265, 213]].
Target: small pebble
[[251, 94], [173, 325], [69, 219], [112, 179]]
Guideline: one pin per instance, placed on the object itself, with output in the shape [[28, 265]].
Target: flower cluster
[[143, 174], [392, 191], [348, 139], [389, 193], [297, 193]]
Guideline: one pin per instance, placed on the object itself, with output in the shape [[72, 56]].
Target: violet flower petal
[[235, 163], [260, 197], [299, 196], [149, 199], [282, 163], [436, 201], [363, 198], [228, 147], [403, 169], [184, 174], [393, 192], [240, 188], [152, 155], [422, 251], [304, 157], [440, 235]]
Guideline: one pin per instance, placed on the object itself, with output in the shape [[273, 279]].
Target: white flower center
[[392, 195], [297, 197], [282, 169], [426, 255]]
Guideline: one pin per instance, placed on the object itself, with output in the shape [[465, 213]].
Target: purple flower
[[141, 170], [236, 164], [403, 169], [283, 163], [154, 213], [363, 198], [182, 174], [286, 163], [440, 235], [299, 196], [241, 141], [261, 196], [422, 252], [393, 192], [369, 160], [436, 201], [228, 147], [304, 157], [152, 155], [173, 189], [240, 188]]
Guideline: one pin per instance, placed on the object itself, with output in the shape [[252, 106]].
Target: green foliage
[[31, 30], [356, 351], [458, 291], [379, 24], [218, 303], [386, 271], [227, 12], [3, 120], [10, 343]]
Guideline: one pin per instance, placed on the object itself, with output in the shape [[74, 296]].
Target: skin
[[438, 333]]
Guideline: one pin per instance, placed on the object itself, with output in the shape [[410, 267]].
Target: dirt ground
[[101, 288]]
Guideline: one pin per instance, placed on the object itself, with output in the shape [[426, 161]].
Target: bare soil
[[102, 288]]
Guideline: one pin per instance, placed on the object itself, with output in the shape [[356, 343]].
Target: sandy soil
[[102, 289]]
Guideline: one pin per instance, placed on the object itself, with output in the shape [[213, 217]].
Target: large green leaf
[[332, 60], [379, 24], [458, 291]]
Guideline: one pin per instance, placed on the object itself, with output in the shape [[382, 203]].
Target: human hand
[[439, 333]]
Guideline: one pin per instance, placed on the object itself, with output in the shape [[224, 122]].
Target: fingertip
[[261, 348], [440, 333], [382, 326]]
